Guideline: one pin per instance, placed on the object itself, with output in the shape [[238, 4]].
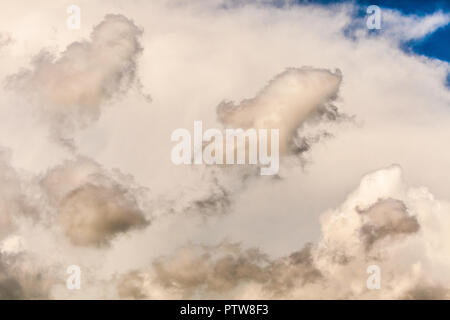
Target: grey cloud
[[20, 282], [93, 205], [333, 268], [297, 101], [285, 103], [5, 40], [71, 88], [92, 215], [405, 233], [130, 286], [218, 268], [198, 271], [10, 289], [388, 217], [318, 127]]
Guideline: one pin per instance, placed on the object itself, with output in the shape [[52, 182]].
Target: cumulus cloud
[[385, 218], [298, 102], [22, 280], [92, 206], [5, 40], [59, 208], [284, 103], [70, 88], [383, 233], [382, 222]]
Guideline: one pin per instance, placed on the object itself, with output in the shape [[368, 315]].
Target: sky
[[434, 45], [93, 205]]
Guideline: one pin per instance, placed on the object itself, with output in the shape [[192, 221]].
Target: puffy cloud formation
[[284, 103], [10, 203], [20, 278], [61, 207], [4, 40], [386, 223], [383, 222], [22, 284], [72, 86], [14, 200], [92, 205]]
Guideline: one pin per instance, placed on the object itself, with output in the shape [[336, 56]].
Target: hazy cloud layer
[[92, 206], [20, 279]]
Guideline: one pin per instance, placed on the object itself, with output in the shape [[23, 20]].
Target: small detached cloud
[[71, 88]]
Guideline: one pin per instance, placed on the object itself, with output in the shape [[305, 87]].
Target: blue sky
[[435, 45]]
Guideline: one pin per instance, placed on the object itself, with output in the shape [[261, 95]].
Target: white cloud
[[383, 222], [412, 27]]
